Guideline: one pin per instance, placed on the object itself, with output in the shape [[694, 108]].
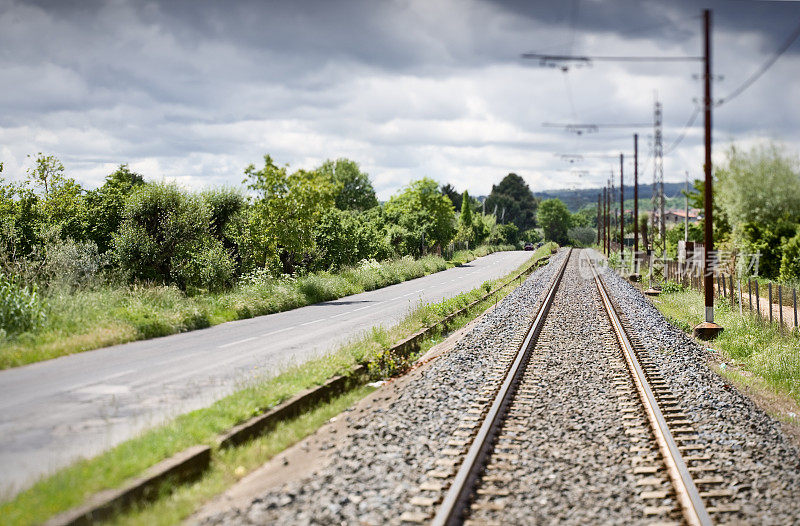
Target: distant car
[[528, 246]]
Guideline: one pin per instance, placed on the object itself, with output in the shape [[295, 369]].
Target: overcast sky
[[194, 91]]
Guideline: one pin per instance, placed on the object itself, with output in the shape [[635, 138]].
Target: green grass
[[88, 319], [70, 486], [754, 345], [232, 464]]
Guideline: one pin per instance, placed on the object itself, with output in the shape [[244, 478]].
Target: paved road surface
[[54, 412]]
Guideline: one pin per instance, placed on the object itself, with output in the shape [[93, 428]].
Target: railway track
[[477, 475]]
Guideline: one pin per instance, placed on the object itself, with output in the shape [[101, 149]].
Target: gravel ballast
[[747, 446], [571, 460], [574, 465], [375, 475]]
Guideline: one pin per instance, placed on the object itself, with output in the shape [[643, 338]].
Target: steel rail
[[459, 494], [694, 509]]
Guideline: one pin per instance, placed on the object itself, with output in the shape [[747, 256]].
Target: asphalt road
[[54, 412]]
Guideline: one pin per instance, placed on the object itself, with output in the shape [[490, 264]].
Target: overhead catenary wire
[[763, 69], [689, 124]]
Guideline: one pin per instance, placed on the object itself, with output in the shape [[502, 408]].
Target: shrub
[[161, 227], [20, 307], [669, 287], [209, 266], [582, 236], [71, 263], [790, 260]]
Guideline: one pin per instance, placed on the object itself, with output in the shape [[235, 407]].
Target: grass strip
[[747, 342], [103, 315], [70, 486]]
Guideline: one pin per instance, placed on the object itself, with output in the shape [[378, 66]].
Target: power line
[[763, 69], [546, 58], [685, 130]]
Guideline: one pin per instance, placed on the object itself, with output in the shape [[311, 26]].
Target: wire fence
[[776, 303]]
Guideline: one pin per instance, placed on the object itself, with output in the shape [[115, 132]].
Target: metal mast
[[658, 173]]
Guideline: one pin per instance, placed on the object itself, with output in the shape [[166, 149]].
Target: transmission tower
[[658, 174]]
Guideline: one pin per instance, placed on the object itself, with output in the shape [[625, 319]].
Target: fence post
[[780, 305], [749, 295], [741, 301], [794, 297], [733, 293], [758, 302], [769, 293]]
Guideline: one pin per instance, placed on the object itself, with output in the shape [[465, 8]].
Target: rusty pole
[[608, 219], [605, 223], [709, 226], [621, 210], [636, 203], [598, 219], [708, 329]]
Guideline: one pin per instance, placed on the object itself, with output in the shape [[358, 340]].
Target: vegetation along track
[[626, 443]]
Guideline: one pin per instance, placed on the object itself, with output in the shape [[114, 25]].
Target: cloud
[[194, 91]]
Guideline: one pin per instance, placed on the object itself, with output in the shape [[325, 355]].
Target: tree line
[[279, 221]]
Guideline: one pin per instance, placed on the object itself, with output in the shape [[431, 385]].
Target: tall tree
[[555, 219], [424, 213], [514, 202], [352, 187], [285, 211], [465, 218], [105, 205], [453, 194]]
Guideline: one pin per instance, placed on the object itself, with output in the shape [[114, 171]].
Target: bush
[[209, 266], [20, 307], [790, 260], [71, 263], [582, 236], [669, 287], [161, 228]]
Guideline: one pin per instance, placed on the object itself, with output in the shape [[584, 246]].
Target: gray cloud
[[196, 90]]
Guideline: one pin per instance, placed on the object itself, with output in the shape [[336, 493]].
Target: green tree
[[466, 228], [790, 260], [162, 230], [226, 208], [759, 186], [722, 223], [352, 187], [47, 172], [106, 204], [758, 192], [345, 237], [286, 209], [454, 196], [465, 218], [424, 216], [61, 203], [554, 217], [767, 240], [20, 221], [531, 236], [582, 236], [513, 202]]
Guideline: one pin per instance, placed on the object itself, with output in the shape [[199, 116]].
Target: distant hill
[[577, 199]]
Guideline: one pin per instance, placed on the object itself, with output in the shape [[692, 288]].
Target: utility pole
[[636, 204], [611, 218], [605, 242], [621, 210], [598, 219], [686, 208], [708, 330], [658, 175], [608, 221]]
